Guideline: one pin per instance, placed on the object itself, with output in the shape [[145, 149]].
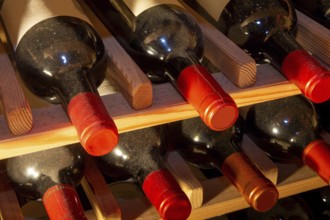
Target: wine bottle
[[167, 43], [61, 58], [51, 175], [319, 10], [265, 29], [206, 148], [138, 155], [319, 202], [288, 128]]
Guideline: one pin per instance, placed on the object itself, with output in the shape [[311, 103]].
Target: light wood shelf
[[51, 128]]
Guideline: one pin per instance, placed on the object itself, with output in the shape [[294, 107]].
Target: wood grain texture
[[98, 192], [260, 159], [313, 37], [185, 178], [221, 197], [9, 206], [237, 65], [131, 80], [52, 127], [13, 100]]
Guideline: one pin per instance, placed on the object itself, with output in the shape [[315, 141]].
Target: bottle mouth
[[317, 89], [217, 115], [96, 130], [99, 139], [216, 108], [175, 207], [262, 197]]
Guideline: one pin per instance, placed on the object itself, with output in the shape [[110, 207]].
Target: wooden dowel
[[313, 37], [14, 103], [98, 192], [9, 206], [52, 127], [260, 159], [185, 178], [131, 80], [237, 65]]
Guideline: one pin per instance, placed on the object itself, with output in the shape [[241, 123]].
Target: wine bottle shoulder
[[20, 16]]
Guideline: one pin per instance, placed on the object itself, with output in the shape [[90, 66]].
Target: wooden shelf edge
[[53, 129], [220, 197]]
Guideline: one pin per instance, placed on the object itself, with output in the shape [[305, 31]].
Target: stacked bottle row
[[286, 129], [67, 66]]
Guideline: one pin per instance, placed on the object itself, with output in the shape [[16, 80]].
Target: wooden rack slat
[[185, 178], [313, 37], [13, 100], [52, 127], [237, 65], [101, 198], [131, 80], [220, 197], [9, 206]]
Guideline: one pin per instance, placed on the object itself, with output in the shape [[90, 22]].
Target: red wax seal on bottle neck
[[62, 203], [317, 156], [97, 131], [166, 195], [308, 75], [216, 108]]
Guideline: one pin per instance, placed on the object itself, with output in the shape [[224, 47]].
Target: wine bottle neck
[[278, 46], [317, 156], [70, 84], [257, 190], [219, 155], [62, 202]]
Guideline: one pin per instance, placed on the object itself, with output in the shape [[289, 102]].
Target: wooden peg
[[98, 192], [313, 37], [131, 80], [237, 65], [15, 105], [185, 178]]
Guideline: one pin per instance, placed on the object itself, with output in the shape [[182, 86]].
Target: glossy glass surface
[[172, 36], [32, 174], [319, 202], [136, 155], [60, 57], [162, 46], [202, 146], [251, 23], [283, 127]]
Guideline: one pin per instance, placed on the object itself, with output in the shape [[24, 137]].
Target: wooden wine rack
[[131, 109]]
